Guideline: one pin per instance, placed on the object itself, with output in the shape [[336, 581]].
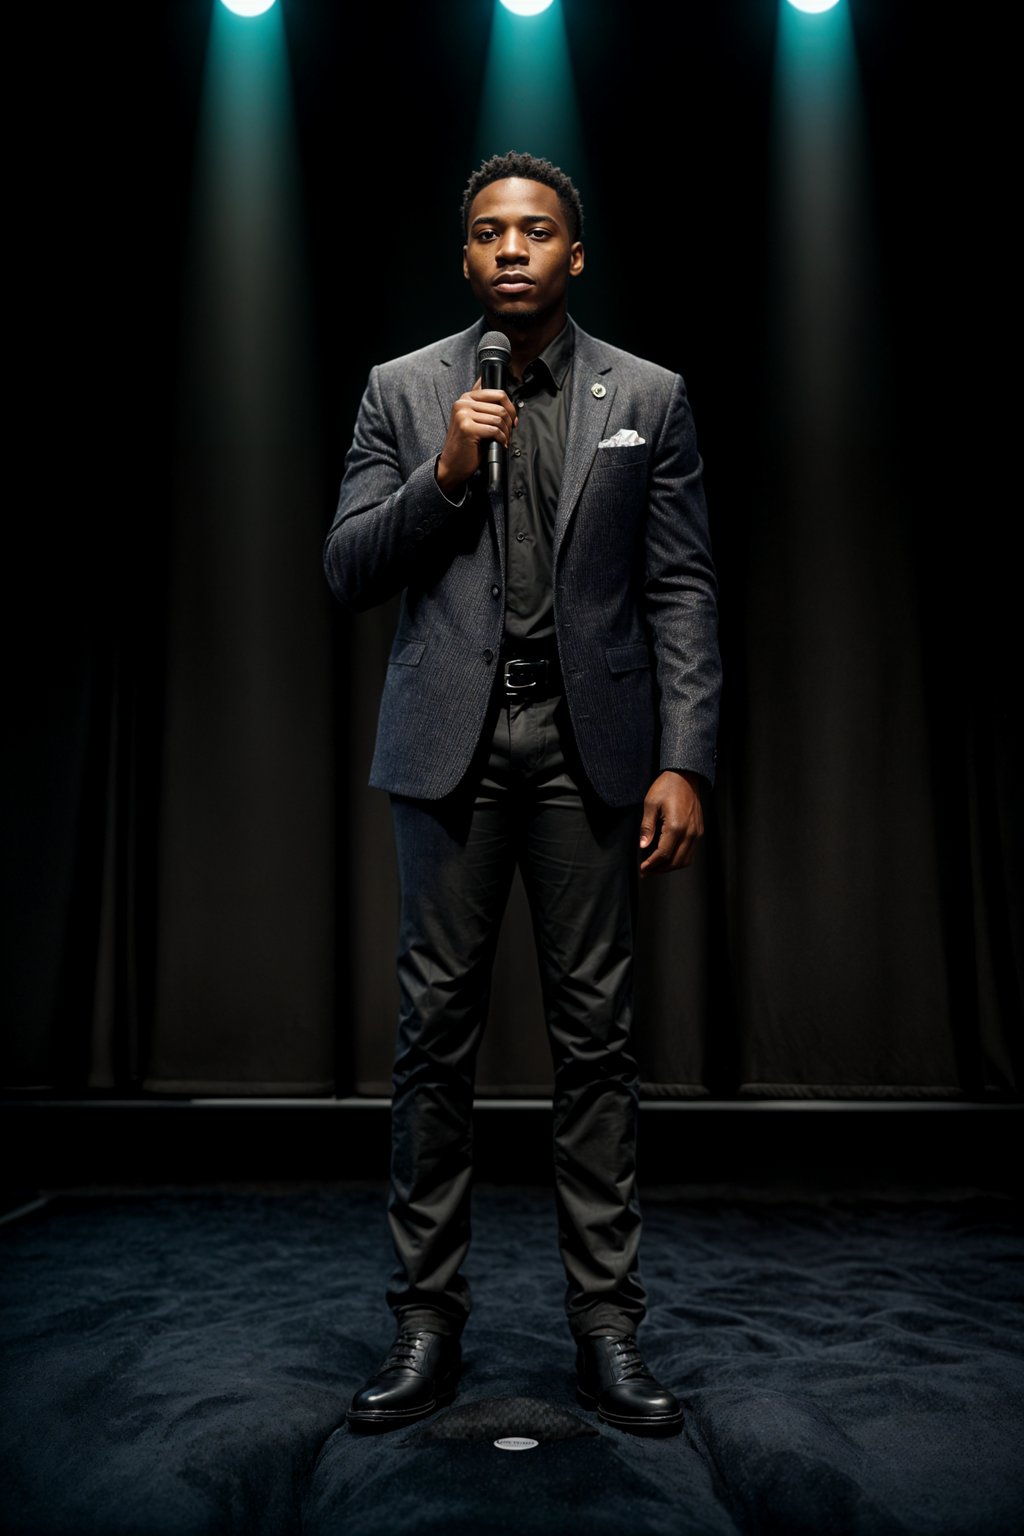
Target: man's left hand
[[673, 823]]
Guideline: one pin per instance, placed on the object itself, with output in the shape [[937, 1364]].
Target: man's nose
[[513, 247]]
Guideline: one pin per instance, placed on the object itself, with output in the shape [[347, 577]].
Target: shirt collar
[[549, 371]]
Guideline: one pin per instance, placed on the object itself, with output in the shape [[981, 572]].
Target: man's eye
[[541, 233], [485, 234]]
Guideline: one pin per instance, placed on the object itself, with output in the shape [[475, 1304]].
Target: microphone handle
[[493, 376]]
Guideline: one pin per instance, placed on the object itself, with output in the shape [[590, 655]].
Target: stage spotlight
[[526, 7], [813, 6], [822, 211], [248, 7], [529, 79]]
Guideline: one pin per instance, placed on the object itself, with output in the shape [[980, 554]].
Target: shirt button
[[520, 537], [495, 591], [518, 491], [517, 453]]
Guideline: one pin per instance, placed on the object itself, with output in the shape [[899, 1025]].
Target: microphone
[[493, 355]]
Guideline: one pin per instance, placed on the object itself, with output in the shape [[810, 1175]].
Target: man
[[551, 701]]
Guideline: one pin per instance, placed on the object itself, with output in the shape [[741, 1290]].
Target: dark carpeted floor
[[180, 1363]]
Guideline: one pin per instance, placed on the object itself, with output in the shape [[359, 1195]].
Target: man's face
[[518, 256]]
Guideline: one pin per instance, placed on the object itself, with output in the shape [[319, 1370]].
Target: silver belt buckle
[[513, 687]]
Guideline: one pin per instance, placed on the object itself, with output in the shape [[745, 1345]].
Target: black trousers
[[526, 803]]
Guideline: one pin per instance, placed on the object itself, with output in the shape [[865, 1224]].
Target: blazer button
[[495, 591], [488, 657]]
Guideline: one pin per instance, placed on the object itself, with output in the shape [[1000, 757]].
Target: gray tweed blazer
[[635, 597]]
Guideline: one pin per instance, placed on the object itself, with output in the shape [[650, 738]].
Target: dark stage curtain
[[199, 888]]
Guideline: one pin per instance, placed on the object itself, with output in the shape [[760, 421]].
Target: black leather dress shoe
[[612, 1377], [419, 1374]]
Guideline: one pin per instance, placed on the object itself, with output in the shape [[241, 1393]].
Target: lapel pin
[[598, 391]]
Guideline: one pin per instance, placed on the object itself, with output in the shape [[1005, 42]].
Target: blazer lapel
[[457, 371], [593, 391]]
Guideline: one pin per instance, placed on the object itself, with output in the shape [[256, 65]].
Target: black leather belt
[[530, 677]]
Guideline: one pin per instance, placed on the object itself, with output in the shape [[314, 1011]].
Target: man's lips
[[512, 282]]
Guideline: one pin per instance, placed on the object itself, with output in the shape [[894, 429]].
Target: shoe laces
[[629, 1359], [406, 1351]]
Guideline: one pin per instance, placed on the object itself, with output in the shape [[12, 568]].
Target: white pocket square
[[625, 437]]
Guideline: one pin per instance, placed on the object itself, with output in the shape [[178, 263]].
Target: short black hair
[[529, 168]]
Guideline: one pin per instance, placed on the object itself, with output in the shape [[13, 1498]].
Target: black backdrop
[[198, 886]]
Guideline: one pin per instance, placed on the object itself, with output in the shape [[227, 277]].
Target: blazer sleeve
[[681, 596], [387, 519]]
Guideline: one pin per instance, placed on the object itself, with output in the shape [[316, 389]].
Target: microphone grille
[[493, 342]]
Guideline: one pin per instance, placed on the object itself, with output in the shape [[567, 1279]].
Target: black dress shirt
[[533, 483]]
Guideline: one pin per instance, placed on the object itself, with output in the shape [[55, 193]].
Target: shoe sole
[[373, 1422], [668, 1424]]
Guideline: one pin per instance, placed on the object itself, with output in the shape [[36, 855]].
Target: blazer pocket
[[621, 458], [408, 654], [627, 658]]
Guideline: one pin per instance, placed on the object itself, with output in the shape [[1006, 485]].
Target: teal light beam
[[246, 736], [244, 281], [823, 240], [528, 101]]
